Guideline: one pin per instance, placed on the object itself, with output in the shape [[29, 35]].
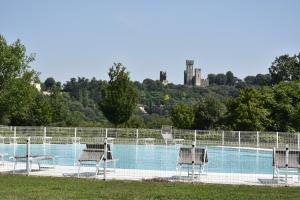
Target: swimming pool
[[156, 157]]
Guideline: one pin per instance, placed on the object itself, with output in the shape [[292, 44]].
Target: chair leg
[[78, 171], [97, 169], [15, 163]]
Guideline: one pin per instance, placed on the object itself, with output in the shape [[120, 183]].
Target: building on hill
[[163, 77], [193, 79]]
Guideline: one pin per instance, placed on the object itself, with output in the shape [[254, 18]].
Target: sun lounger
[[94, 154], [38, 158], [279, 161], [166, 133], [188, 161]]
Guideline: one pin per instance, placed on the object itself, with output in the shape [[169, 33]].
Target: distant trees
[[119, 96], [285, 68], [49, 83], [222, 79], [258, 80], [230, 79]]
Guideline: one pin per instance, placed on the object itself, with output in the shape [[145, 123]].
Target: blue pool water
[[155, 157]]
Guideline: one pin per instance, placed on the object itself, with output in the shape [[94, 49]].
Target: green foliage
[[230, 78], [208, 113], [119, 96], [285, 68], [49, 83], [135, 121], [182, 116], [59, 106], [259, 79], [220, 79], [16, 89], [283, 101], [247, 112], [40, 113]]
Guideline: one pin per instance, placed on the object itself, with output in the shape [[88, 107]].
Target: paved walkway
[[135, 174]]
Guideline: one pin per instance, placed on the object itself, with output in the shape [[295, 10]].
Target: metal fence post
[[195, 137], [298, 141], [15, 135], [222, 138], [137, 136], [75, 135], [277, 140], [105, 155], [28, 156], [257, 139], [286, 163], [239, 138], [45, 135], [193, 160]]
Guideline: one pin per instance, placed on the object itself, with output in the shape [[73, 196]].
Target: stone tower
[[188, 73], [197, 78], [162, 76]]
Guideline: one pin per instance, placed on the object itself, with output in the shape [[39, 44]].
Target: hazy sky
[[83, 38]]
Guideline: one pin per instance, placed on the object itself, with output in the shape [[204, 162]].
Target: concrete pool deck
[[137, 174]]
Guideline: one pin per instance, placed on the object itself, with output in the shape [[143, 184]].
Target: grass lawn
[[22, 187]]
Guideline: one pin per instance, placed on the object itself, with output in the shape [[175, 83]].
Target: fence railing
[[258, 139]]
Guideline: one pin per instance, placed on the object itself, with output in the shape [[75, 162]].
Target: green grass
[[22, 187]]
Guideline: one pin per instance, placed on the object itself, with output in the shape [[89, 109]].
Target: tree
[[247, 112], [211, 79], [250, 80], [119, 96], [229, 78], [49, 83], [182, 116], [40, 112], [208, 112], [285, 68], [16, 89], [60, 108], [263, 79], [220, 79], [283, 103]]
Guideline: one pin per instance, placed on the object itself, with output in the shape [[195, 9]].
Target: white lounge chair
[[166, 133], [279, 161], [38, 158], [94, 155], [188, 161]]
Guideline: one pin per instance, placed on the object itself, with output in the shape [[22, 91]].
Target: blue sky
[[83, 38]]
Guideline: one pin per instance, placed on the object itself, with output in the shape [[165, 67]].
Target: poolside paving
[[138, 174]]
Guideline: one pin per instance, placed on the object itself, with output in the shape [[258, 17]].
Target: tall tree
[[285, 68], [16, 78], [49, 83], [229, 78], [182, 116], [208, 113], [247, 112], [119, 96]]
